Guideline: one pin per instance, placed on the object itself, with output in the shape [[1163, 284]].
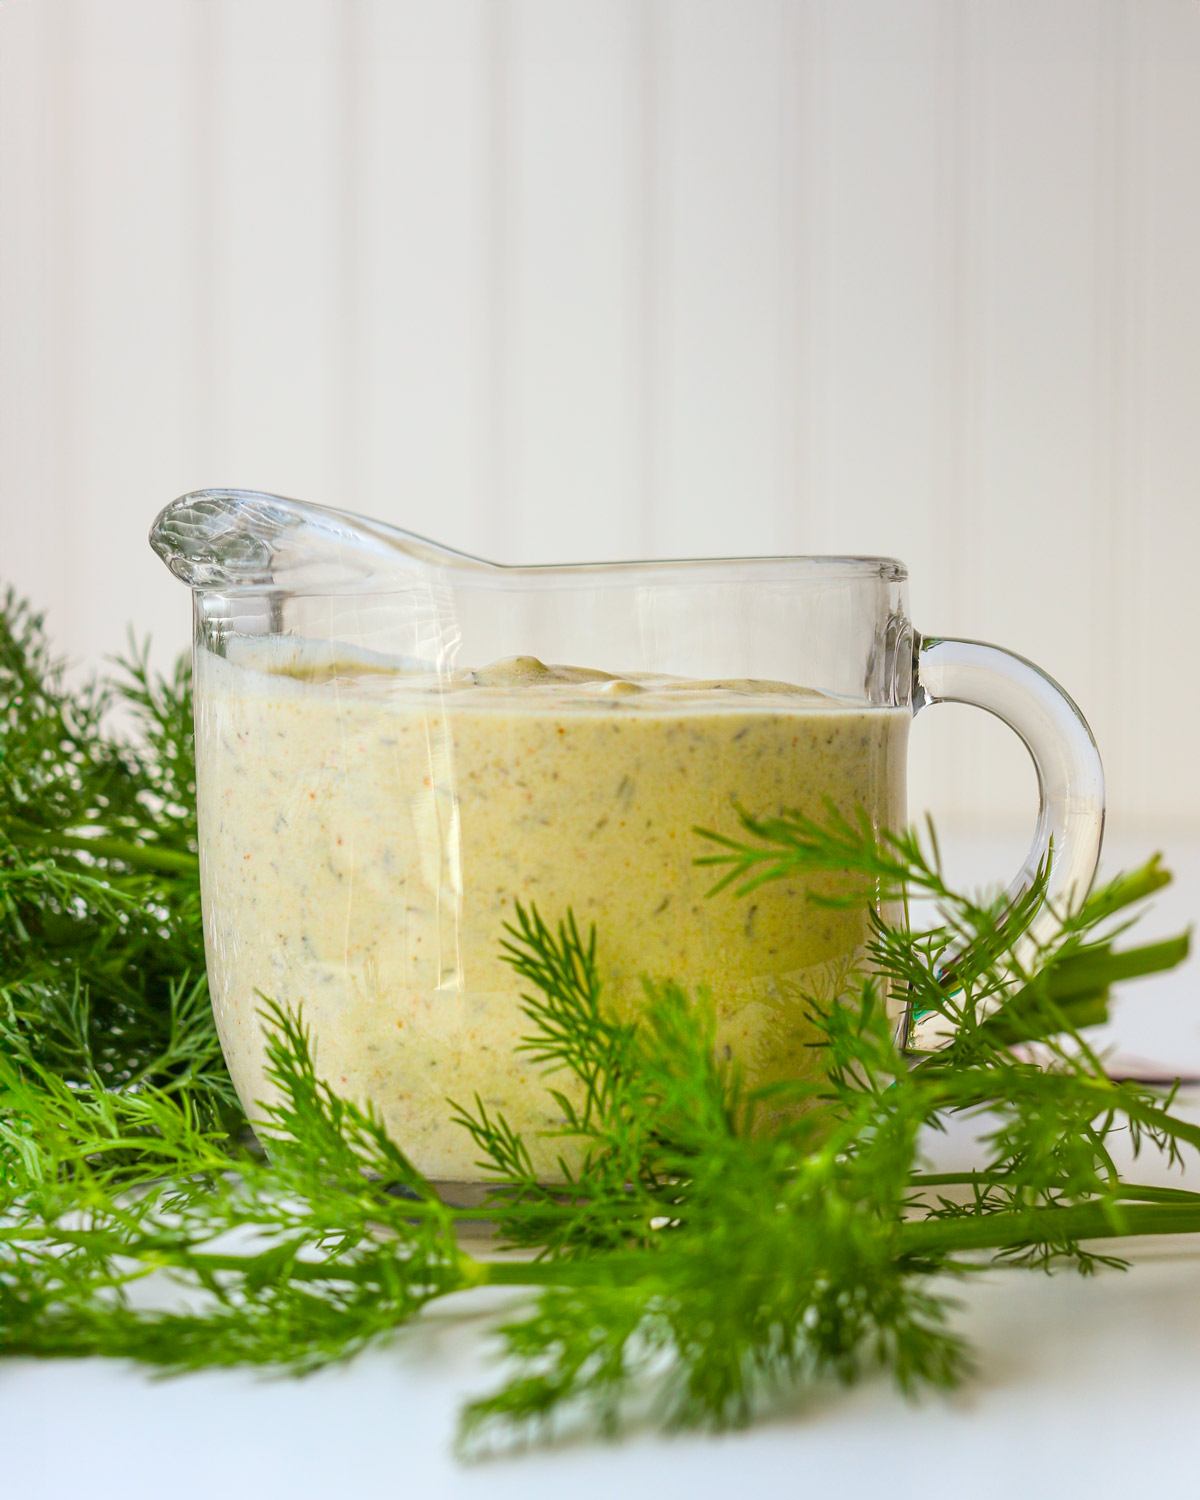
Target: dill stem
[[608, 1269], [140, 856], [981, 1087], [996, 1231], [1131, 1192], [1086, 1221]]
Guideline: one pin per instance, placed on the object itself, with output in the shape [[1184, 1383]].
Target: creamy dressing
[[366, 832]]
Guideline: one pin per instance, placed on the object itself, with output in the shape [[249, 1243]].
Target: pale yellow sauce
[[365, 834]]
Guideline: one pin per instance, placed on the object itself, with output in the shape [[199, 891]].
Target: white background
[[556, 279]]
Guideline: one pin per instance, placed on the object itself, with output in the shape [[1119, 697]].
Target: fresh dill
[[101, 949], [690, 1264]]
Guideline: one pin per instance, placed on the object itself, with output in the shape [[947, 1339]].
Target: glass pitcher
[[398, 746]]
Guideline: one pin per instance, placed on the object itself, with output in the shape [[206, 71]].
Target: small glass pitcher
[[398, 746]]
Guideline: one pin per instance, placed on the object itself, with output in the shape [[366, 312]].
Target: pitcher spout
[[234, 541]]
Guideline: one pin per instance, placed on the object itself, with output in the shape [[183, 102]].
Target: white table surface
[[1084, 1387]]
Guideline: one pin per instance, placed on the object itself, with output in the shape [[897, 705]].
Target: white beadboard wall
[[557, 279]]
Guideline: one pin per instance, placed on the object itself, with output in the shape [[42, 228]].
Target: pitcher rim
[[196, 556]]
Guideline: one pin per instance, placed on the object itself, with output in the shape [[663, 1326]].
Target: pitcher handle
[[1070, 825]]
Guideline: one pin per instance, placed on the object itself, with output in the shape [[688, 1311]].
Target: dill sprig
[[810, 1252], [706, 1248], [101, 948]]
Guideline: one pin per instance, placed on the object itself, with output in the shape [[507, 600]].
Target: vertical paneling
[[883, 305], [1029, 546], [422, 269], [104, 424], [719, 277], [1118, 389], [131, 309], [1162, 514], [803, 113], [34, 189], [966, 766], [598, 277], [572, 364], [1027, 537], [276, 267]]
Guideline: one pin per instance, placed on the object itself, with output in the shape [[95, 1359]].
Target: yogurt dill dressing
[[367, 831]]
